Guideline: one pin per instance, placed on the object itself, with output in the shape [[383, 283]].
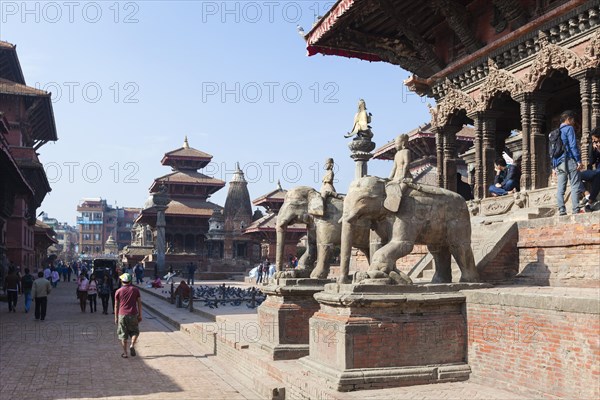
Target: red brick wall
[[504, 266], [561, 251], [545, 351]]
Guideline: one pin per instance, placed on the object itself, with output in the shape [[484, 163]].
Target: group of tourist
[[566, 166], [31, 288], [92, 288]]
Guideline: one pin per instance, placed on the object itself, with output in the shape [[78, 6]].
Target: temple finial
[[279, 185], [186, 145]]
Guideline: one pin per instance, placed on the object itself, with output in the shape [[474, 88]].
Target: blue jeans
[[568, 170], [504, 189], [27, 294], [593, 177]]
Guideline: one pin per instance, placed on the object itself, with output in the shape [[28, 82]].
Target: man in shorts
[[128, 314]]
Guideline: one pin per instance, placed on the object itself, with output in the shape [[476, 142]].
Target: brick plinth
[[370, 336], [560, 251], [283, 317], [536, 339]]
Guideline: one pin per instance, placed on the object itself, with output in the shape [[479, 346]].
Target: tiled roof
[[191, 207], [188, 152], [6, 45], [190, 177], [10, 87], [275, 195]]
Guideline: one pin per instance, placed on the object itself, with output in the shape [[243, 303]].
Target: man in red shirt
[[128, 313]]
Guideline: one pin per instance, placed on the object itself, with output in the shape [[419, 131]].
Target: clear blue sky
[[161, 77]]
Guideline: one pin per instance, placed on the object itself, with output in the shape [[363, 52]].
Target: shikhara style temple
[[499, 65], [26, 124], [196, 229]]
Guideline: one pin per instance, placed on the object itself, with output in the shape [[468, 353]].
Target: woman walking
[[104, 291], [82, 288], [55, 277], [92, 293]]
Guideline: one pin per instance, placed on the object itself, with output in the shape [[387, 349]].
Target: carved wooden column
[[585, 90], [525, 103], [595, 102], [450, 156], [439, 149], [479, 188], [538, 151], [488, 151]]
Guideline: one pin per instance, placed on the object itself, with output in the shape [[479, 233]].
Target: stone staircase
[[486, 240]]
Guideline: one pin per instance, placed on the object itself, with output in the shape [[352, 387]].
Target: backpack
[[556, 145], [27, 282]]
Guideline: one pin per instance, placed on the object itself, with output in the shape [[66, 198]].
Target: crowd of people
[[106, 283]]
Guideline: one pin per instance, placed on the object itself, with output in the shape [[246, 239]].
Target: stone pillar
[[439, 149], [538, 141], [585, 90], [525, 103], [360, 149], [450, 156], [479, 184], [161, 246], [595, 102], [160, 202], [488, 151]]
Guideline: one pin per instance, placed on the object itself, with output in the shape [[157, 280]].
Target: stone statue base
[[283, 316], [373, 336]]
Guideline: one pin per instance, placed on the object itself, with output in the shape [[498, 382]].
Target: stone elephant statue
[[409, 214], [305, 205]]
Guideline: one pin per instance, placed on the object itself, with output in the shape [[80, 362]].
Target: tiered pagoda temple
[[500, 65], [263, 230], [26, 124], [189, 210], [197, 230]]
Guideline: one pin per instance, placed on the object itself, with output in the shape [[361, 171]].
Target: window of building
[[86, 236], [96, 236], [97, 216]]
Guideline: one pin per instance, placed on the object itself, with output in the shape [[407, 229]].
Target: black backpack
[[556, 145]]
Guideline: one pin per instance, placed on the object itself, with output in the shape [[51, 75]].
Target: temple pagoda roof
[[10, 67], [43, 127], [428, 38], [175, 158], [421, 142], [192, 207], [187, 178], [180, 207], [274, 196]]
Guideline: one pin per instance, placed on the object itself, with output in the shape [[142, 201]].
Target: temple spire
[[186, 145], [279, 185]]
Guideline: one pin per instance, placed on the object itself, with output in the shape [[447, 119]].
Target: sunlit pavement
[[77, 355]]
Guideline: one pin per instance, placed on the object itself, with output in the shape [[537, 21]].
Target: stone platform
[[283, 316], [523, 342], [368, 336]]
